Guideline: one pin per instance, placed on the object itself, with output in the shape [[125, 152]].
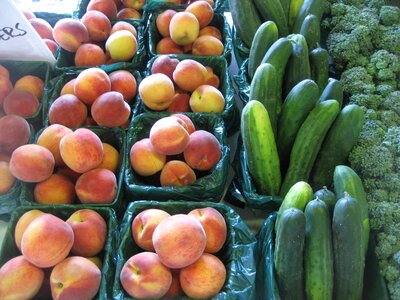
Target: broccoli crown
[[389, 15], [357, 80], [384, 66], [388, 38]]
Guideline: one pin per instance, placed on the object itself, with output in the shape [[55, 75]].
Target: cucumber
[[288, 256], [298, 65], [308, 142], [308, 7], [345, 179], [318, 253], [339, 141], [259, 143], [271, 10], [246, 19], [311, 30], [294, 8], [327, 196], [333, 90], [297, 105], [348, 249], [319, 64], [263, 89], [264, 37]]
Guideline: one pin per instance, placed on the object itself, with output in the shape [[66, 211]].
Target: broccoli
[[357, 81], [389, 15], [366, 100], [384, 66], [388, 38]]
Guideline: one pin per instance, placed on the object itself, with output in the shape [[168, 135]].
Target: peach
[[68, 110], [136, 4], [32, 163], [164, 64], [110, 109], [211, 2], [81, 150], [52, 45], [42, 27], [144, 159], [189, 125], [28, 14], [203, 151], [163, 20], [7, 179], [204, 278], [184, 28], [67, 172], [89, 55], [124, 82], [175, 288], [179, 241], [143, 276], [50, 138], [123, 25], [4, 72], [189, 74], [187, 48], [23, 222], [169, 135], [157, 91], [21, 103], [90, 84], [168, 46], [68, 87], [207, 98], [107, 7], [19, 279], [90, 232], [97, 24], [14, 132], [70, 34], [203, 12], [128, 13], [6, 87], [122, 45], [47, 241], [57, 189], [75, 277], [207, 45], [98, 186], [177, 173], [32, 84], [211, 30], [110, 158], [180, 103], [212, 78]]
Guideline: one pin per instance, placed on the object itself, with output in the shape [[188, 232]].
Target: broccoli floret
[[392, 101], [389, 15], [388, 38], [357, 81], [372, 133], [389, 118], [366, 100], [344, 48], [383, 217], [392, 141], [386, 88], [394, 288], [375, 3], [384, 66], [388, 242]]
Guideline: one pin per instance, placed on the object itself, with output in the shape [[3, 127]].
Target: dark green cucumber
[[298, 65], [308, 142], [348, 249], [272, 10], [294, 8], [263, 89], [333, 90], [318, 253], [288, 256], [311, 30], [259, 143], [327, 196], [278, 55], [339, 141], [319, 64], [297, 105], [264, 37], [308, 7], [246, 19], [345, 179]]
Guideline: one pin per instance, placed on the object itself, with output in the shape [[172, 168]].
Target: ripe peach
[[97, 24], [87, 223], [97, 186], [163, 20], [168, 46], [207, 45], [57, 189], [143, 226], [204, 278], [32, 163], [189, 125], [81, 150], [70, 34], [7, 179], [23, 222], [189, 74], [47, 241], [107, 7], [175, 288], [156, 91], [14, 132], [128, 13], [89, 55], [211, 2], [21, 103], [4, 72], [144, 159], [122, 45], [6, 87], [68, 110], [110, 109], [184, 28], [179, 241], [19, 279], [212, 78], [124, 82], [164, 64], [110, 158], [180, 103], [42, 27], [67, 172], [68, 87], [75, 277], [136, 4], [143, 276], [52, 45], [207, 98], [32, 84], [123, 25], [169, 135], [177, 173], [28, 14], [90, 84], [203, 12], [211, 30]]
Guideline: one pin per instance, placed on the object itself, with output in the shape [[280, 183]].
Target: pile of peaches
[[171, 138], [179, 254], [56, 259]]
